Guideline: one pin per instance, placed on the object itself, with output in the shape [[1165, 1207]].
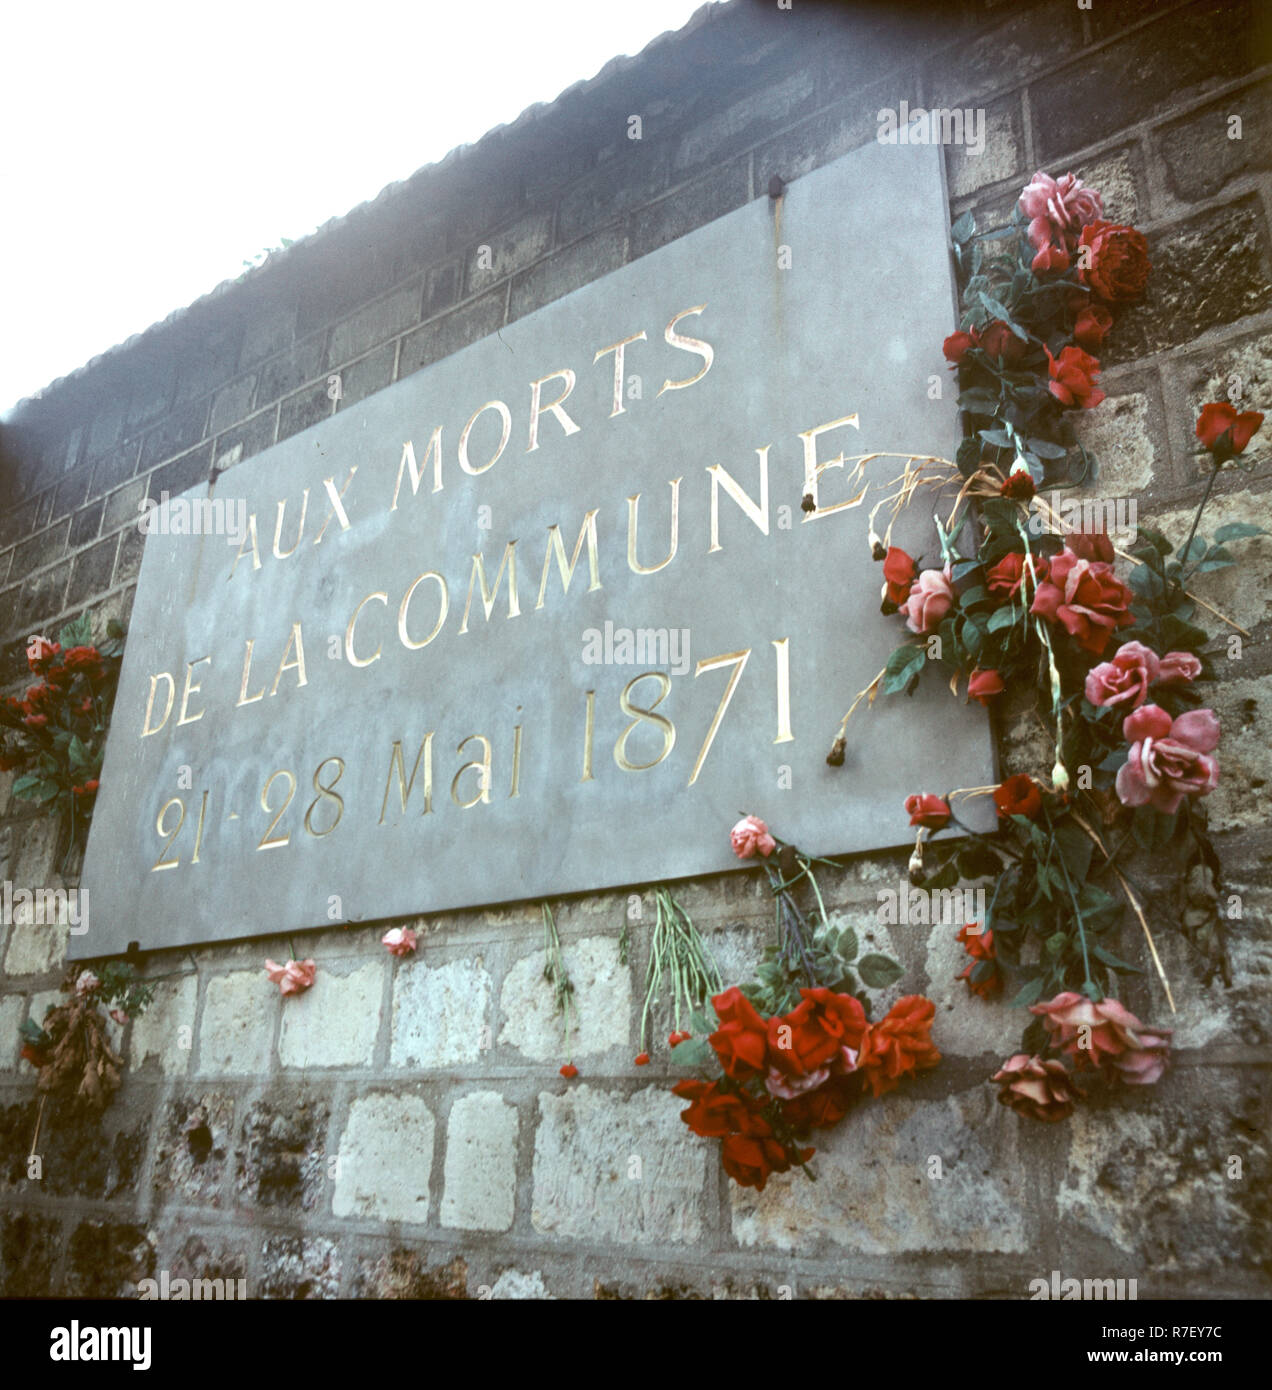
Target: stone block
[[480, 1173], [874, 1195], [510, 250], [231, 404], [237, 1029], [1120, 433], [1175, 1175], [385, 1159], [692, 205], [445, 335], [298, 1267], [601, 1002], [567, 270], [191, 1147], [12, 1012], [1001, 157], [383, 319], [166, 1030], [1240, 374], [1206, 150], [1207, 271], [334, 1024], [441, 1014], [513, 1284], [613, 1167], [282, 1161]]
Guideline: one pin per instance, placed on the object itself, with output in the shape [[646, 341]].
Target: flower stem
[[1201, 507]]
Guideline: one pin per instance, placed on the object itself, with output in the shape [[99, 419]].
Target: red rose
[[998, 341], [1005, 578], [1223, 431], [569, 1070], [1019, 485], [714, 1113], [1018, 796], [1090, 545], [1092, 326], [642, 1059], [898, 572], [34, 1055], [899, 1044], [1052, 256], [741, 1040], [36, 721], [983, 686], [822, 1029], [980, 946], [751, 1161], [1116, 260], [824, 1107], [86, 659], [931, 811], [1073, 376], [40, 651], [1086, 598], [957, 346]]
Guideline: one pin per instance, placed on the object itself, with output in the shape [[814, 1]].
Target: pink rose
[[930, 600], [1085, 598], [1063, 206], [292, 978], [1178, 668], [750, 835], [1168, 759], [1041, 1089], [1105, 1034], [1127, 677], [785, 1087], [119, 1016], [86, 983], [983, 686], [400, 941]]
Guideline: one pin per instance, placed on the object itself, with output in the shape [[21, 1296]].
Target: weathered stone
[[1174, 1174], [513, 1284], [1241, 375], [297, 1267], [1210, 270], [334, 1024], [1002, 156], [165, 1031], [1206, 150], [966, 1025], [480, 1174], [193, 1142], [29, 1244], [609, 1167], [406, 1273], [874, 1193], [12, 1012], [385, 1159], [281, 1160], [108, 1259], [200, 1260], [601, 1002], [498, 256], [441, 1014], [237, 1030], [1121, 436]]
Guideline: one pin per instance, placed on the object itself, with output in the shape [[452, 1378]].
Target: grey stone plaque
[[281, 697]]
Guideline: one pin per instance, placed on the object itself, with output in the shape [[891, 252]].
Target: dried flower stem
[[677, 949]]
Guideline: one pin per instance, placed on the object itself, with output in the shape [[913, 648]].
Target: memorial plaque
[[546, 616]]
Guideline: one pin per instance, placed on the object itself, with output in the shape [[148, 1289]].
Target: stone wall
[[402, 1129]]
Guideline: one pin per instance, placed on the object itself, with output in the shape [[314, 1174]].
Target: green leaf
[[1000, 439], [695, 1053], [848, 946], [25, 785], [1216, 559], [983, 970], [80, 758], [963, 228], [999, 311], [1075, 849], [1155, 538], [1115, 961], [878, 972], [903, 664], [1056, 943], [979, 400], [1237, 531], [77, 633], [1029, 994], [1045, 449], [1152, 829], [1003, 617]]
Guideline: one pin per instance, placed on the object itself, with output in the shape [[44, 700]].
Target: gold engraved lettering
[[506, 416], [443, 609], [536, 409], [405, 786], [640, 716], [695, 345], [488, 595], [408, 461], [277, 841], [618, 349], [300, 530], [350, 656], [146, 730], [481, 767], [633, 507], [758, 514], [587, 532], [244, 698], [298, 665], [191, 689], [813, 470]]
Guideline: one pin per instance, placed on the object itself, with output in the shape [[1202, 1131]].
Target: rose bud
[[837, 750], [806, 503], [569, 1071], [642, 1059]]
